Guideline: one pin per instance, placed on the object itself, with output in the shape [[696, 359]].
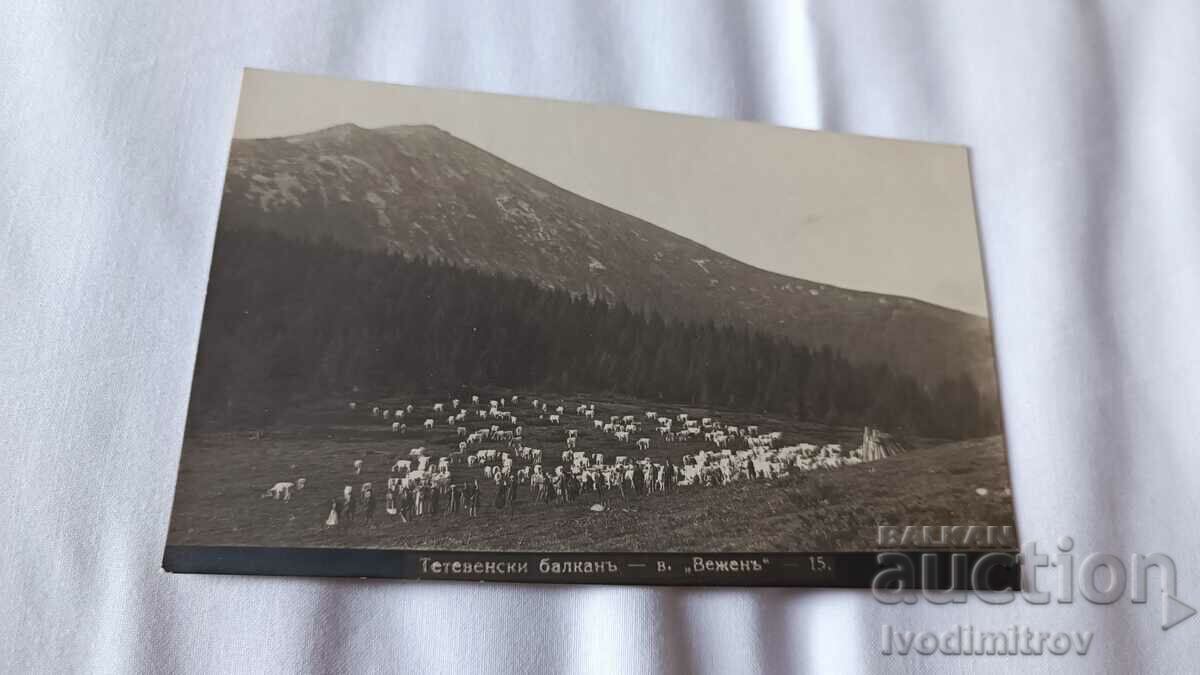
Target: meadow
[[223, 476]]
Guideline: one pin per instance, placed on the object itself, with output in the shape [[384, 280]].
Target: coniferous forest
[[289, 321]]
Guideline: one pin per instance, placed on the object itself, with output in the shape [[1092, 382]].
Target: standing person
[[406, 502], [348, 507], [572, 487], [512, 492], [472, 495], [390, 502], [435, 497], [501, 491], [559, 483], [639, 481], [420, 493], [332, 520], [537, 485], [668, 477], [368, 503]]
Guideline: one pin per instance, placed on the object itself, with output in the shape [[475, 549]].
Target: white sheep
[[281, 490]]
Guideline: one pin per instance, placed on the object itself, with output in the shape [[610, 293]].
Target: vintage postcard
[[462, 335]]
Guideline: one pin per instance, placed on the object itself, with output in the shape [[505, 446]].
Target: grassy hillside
[[423, 192]]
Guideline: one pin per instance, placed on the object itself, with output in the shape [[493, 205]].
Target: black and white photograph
[[450, 321]]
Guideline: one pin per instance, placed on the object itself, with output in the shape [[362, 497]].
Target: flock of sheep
[[731, 453]]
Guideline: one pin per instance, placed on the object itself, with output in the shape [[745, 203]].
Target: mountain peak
[[338, 133], [407, 130]]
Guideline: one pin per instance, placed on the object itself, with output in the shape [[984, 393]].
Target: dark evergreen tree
[[289, 320]]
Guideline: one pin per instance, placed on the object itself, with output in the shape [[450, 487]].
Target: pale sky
[[857, 212]]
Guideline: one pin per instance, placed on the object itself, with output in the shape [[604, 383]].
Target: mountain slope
[[420, 191]]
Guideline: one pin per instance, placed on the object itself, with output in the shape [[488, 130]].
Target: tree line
[[289, 321]]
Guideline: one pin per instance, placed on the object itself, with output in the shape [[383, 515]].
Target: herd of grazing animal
[[420, 483]]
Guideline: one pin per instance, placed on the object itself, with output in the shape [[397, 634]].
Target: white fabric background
[[1083, 121]]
